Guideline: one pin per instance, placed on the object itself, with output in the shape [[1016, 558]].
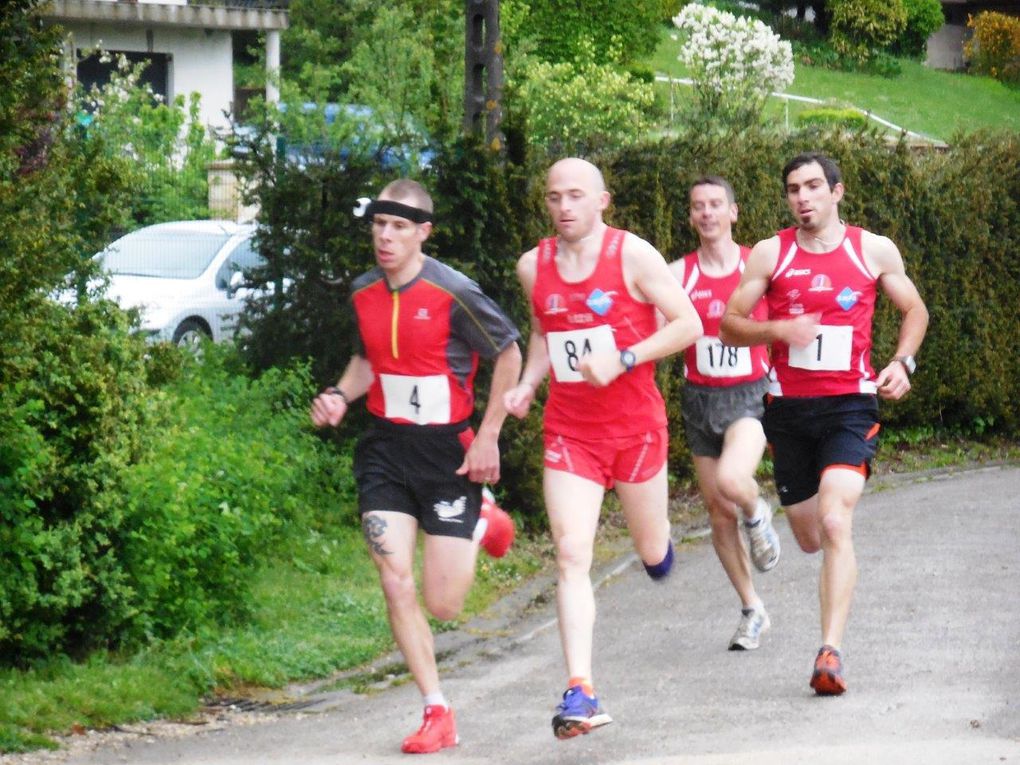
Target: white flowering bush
[[734, 61]]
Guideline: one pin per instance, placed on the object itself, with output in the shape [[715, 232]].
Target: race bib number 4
[[422, 400], [830, 351], [566, 349], [718, 360]]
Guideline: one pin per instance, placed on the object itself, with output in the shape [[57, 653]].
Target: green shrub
[[832, 116], [924, 18], [861, 27], [620, 32], [994, 48]]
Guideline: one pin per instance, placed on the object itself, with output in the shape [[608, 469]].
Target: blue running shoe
[[577, 714]]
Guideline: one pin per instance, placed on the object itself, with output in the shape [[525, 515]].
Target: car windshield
[[180, 255]]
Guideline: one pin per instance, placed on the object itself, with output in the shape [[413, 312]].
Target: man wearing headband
[[595, 292], [422, 327], [820, 279]]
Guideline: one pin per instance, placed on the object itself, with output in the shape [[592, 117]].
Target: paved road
[[932, 657]]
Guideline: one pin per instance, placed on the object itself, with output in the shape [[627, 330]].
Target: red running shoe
[[827, 679], [499, 534], [438, 730]]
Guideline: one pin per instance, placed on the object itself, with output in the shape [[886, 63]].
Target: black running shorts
[[808, 435], [412, 469]]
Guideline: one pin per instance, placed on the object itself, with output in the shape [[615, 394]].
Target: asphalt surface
[[932, 656]]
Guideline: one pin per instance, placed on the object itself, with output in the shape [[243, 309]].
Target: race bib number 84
[[566, 349], [422, 400]]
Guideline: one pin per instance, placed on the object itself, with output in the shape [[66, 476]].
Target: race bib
[[718, 360], [566, 349], [422, 400], [830, 351]]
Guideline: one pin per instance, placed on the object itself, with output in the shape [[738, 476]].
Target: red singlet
[[839, 286], [595, 314], [708, 361]]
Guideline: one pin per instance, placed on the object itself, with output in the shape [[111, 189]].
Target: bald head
[[575, 195], [579, 170]]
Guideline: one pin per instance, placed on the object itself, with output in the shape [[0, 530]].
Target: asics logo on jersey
[[451, 511], [423, 314], [847, 299], [600, 302], [797, 272]]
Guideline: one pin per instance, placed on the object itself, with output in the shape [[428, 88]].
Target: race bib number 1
[[566, 349], [718, 360], [422, 400], [830, 351]]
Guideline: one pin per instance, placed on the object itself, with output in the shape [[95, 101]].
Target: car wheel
[[190, 334]]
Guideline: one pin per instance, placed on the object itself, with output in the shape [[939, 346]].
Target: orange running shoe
[[438, 730], [499, 534], [827, 679]]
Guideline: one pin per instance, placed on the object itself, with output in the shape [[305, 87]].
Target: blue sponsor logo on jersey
[[847, 299], [600, 302]]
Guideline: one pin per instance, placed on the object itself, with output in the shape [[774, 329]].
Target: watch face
[[628, 359]]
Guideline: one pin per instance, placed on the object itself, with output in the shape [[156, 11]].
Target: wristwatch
[[908, 363], [628, 359]]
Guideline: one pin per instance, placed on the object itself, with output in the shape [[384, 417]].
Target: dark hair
[[830, 168], [714, 180]]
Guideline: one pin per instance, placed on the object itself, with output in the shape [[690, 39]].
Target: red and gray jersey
[[708, 361], [839, 286], [424, 340], [596, 314]]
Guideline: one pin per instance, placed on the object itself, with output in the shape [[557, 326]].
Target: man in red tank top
[[723, 403], [422, 327], [820, 279], [594, 293]]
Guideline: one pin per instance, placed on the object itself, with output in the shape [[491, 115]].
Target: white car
[[186, 278]]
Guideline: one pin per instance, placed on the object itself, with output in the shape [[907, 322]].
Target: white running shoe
[[762, 538], [753, 622]]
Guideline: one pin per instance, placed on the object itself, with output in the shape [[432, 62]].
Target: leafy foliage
[[995, 47], [619, 32], [924, 18], [166, 143], [861, 28], [571, 107]]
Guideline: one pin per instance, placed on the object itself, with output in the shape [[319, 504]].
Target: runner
[[594, 292], [723, 404], [820, 279], [421, 329]]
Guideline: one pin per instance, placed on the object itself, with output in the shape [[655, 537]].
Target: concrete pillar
[[272, 66]]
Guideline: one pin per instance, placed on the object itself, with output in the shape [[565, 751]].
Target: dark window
[[92, 71]]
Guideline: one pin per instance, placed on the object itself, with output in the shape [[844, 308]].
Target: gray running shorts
[[709, 410]]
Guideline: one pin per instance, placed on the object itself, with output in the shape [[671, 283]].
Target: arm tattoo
[[374, 527]]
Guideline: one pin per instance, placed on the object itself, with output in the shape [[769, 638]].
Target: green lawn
[[927, 101]]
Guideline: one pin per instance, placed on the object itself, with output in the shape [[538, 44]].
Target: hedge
[[953, 213]]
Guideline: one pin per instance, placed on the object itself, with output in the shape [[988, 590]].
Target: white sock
[[435, 698], [480, 528]]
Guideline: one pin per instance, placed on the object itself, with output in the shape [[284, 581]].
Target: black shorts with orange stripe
[[808, 435]]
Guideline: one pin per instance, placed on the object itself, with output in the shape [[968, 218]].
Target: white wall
[[202, 60]]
